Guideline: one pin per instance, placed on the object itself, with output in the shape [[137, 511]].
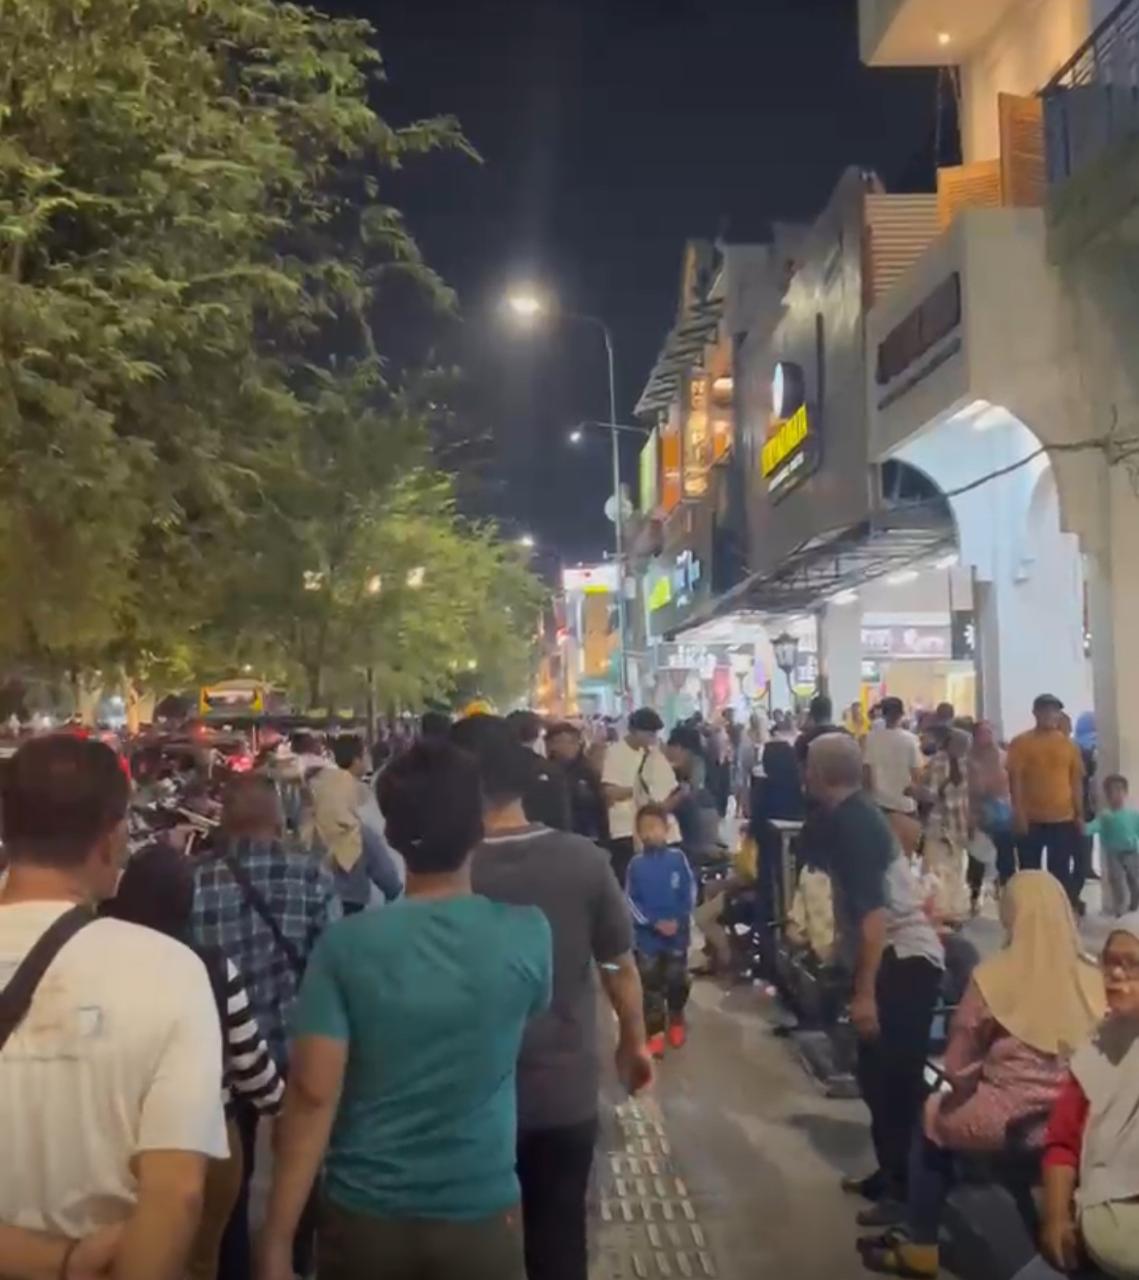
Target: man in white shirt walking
[[636, 773], [892, 764], [110, 1064]]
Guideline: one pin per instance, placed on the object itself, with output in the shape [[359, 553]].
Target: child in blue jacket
[[662, 892]]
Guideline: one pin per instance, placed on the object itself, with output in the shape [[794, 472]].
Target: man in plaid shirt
[[264, 908]]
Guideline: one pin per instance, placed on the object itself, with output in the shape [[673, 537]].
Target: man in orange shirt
[[1046, 783]]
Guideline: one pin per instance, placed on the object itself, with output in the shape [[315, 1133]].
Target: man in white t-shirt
[[636, 773], [110, 1086], [892, 761]]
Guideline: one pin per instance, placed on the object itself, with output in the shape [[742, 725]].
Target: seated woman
[[1024, 1012], [1091, 1158]]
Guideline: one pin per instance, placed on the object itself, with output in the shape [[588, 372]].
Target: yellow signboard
[[792, 435], [661, 594]]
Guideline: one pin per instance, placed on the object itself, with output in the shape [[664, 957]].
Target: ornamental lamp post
[[786, 647]]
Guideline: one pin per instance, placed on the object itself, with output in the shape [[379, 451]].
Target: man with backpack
[[110, 1047]]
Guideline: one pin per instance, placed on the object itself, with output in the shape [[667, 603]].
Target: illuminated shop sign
[[697, 438], [677, 583], [790, 437]]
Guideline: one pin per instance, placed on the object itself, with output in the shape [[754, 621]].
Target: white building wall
[[1033, 40], [840, 653]]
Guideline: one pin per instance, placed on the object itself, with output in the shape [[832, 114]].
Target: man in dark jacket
[[589, 814]]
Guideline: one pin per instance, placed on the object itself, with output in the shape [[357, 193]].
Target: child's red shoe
[[678, 1035], [656, 1045]]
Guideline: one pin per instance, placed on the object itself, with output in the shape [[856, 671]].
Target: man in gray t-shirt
[[569, 877], [897, 959]]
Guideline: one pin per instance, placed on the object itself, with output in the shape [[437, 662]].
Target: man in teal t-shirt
[[408, 1029], [1118, 829]]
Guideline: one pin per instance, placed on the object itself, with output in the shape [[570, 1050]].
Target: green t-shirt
[[432, 997], [1118, 829]]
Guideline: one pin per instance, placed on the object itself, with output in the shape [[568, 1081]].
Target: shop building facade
[[999, 362]]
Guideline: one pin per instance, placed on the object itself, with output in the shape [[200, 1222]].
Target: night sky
[[611, 131]]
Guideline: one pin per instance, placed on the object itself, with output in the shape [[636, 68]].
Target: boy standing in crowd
[[1118, 829], [661, 892]]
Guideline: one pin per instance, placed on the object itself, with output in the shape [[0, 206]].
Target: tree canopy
[[192, 217]]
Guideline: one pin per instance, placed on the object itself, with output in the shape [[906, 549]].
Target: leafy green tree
[[190, 205], [360, 573]]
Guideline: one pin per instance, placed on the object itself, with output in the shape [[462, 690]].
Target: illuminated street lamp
[[528, 303], [525, 304], [527, 540], [576, 436]]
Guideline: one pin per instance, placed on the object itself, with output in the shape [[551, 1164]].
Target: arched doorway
[[1028, 569]]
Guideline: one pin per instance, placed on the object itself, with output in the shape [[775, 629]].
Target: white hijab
[[1107, 1069]]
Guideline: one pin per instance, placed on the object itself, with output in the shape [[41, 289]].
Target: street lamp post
[[528, 305], [786, 647]]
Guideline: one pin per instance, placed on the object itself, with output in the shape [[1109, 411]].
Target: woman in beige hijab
[[1025, 1012]]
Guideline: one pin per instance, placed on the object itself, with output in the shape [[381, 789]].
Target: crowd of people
[[157, 1011]]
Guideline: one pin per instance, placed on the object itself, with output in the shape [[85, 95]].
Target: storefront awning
[[683, 350], [886, 542]]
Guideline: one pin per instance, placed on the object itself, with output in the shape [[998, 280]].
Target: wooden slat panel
[[899, 230], [1024, 180], [968, 186]]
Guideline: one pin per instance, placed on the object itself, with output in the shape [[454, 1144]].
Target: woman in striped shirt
[[157, 890]]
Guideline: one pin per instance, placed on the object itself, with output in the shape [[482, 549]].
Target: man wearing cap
[[1046, 777], [636, 773]]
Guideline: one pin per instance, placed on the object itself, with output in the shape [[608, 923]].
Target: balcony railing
[[1093, 100]]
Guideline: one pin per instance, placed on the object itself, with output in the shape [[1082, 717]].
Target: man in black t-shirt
[[589, 813]]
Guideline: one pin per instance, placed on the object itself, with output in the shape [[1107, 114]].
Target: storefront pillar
[[1113, 599], [1030, 636], [840, 654]]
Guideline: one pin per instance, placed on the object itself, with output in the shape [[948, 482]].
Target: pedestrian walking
[[662, 895], [589, 812], [1117, 826], [110, 1087], [949, 829], [356, 856], [408, 1031], [989, 796], [569, 878], [264, 906], [157, 891], [1046, 778], [636, 773]]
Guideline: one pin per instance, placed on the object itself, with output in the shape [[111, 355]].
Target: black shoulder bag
[[256, 901], [16, 998]]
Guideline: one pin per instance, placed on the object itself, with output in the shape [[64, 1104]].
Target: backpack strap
[[255, 900], [16, 998]]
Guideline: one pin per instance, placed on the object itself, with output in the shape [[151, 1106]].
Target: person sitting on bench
[[1091, 1160], [1024, 1011], [719, 894]]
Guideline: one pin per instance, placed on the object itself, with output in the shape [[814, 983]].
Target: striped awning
[[683, 351]]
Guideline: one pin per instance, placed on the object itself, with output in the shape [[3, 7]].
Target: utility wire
[[1121, 448]]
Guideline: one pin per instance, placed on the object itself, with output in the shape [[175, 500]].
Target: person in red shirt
[[1091, 1160]]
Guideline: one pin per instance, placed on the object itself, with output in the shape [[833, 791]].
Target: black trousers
[[553, 1168], [1064, 842], [235, 1258], [891, 1069], [665, 983], [620, 855]]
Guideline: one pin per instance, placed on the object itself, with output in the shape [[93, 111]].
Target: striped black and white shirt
[[249, 1069]]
